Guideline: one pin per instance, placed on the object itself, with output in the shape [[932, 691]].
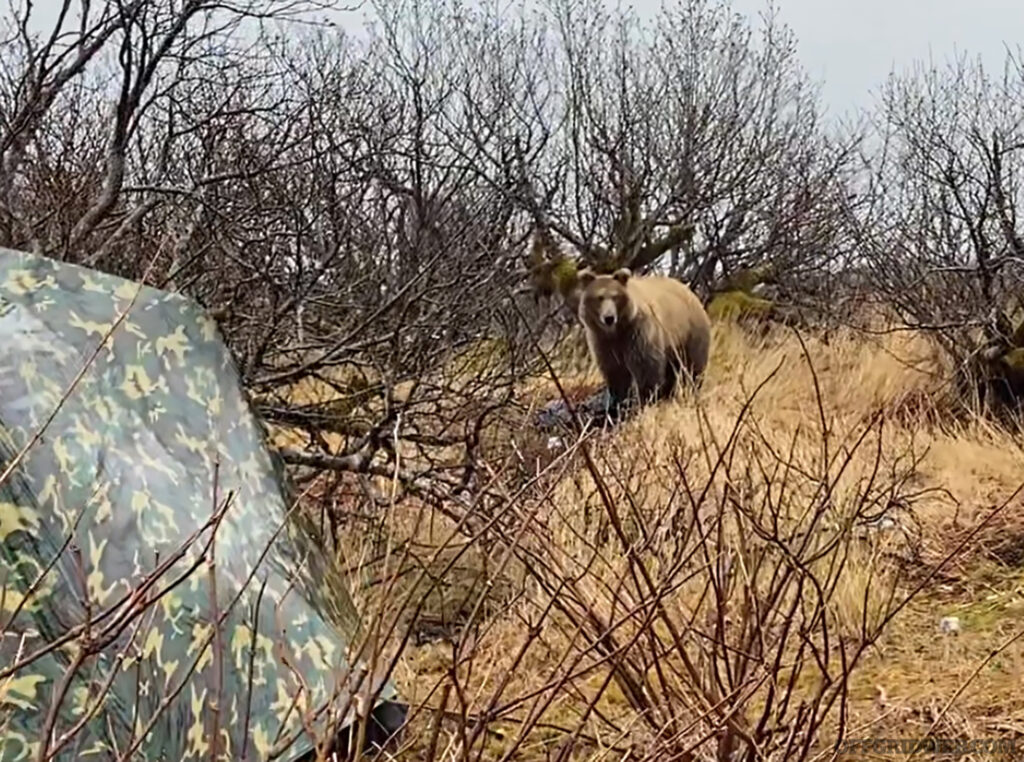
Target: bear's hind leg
[[676, 368], [695, 360], [668, 388]]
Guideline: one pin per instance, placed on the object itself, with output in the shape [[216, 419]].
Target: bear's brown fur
[[642, 332]]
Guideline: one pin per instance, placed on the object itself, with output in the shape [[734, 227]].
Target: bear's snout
[[607, 313]]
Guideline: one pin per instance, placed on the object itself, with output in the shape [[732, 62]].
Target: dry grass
[[965, 470], [886, 391]]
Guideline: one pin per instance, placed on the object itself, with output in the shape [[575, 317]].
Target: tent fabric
[[151, 436]]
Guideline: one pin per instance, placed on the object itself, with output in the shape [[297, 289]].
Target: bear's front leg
[[619, 388], [648, 377]]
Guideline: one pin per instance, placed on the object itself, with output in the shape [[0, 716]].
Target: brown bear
[[643, 331]]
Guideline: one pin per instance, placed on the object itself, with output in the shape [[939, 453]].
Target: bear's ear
[[585, 277], [622, 275]]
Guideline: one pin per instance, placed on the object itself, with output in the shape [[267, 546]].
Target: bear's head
[[604, 301]]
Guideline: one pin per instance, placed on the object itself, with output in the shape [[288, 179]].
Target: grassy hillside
[[813, 492]]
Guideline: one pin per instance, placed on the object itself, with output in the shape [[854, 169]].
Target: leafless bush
[[712, 600], [938, 215]]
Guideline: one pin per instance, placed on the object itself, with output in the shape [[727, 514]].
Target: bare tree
[[114, 64], [938, 218], [688, 137]]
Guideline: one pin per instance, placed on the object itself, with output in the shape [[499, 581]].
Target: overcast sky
[[851, 45]]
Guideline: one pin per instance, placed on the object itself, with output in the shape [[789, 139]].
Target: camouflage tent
[[127, 449]]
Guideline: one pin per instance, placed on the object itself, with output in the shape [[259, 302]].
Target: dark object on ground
[[596, 410], [383, 730], [148, 435]]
